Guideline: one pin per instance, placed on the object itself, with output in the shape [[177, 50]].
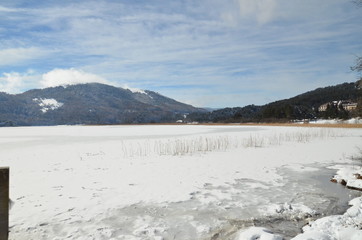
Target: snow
[[337, 121], [346, 226], [164, 182], [48, 104], [135, 90], [354, 121], [351, 175]]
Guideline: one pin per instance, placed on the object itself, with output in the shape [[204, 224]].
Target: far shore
[[325, 125]]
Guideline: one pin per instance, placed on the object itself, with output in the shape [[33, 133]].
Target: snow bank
[[351, 176], [354, 121], [346, 226], [337, 121]]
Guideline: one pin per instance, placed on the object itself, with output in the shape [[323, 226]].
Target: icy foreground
[[335, 227], [170, 182]]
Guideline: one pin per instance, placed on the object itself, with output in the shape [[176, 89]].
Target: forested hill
[[103, 104], [303, 106], [91, 103]]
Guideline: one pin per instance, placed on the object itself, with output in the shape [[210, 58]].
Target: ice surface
[[165, 182]]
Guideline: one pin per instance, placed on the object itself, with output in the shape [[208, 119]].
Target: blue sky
[[209, 53]]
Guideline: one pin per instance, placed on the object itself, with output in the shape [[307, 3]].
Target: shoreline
[[347, 225]]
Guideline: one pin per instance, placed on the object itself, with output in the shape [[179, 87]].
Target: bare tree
[[358, 2], [358, 65]]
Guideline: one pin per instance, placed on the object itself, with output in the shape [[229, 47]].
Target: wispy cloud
[[262, 10], [11, 56], [8, 10]]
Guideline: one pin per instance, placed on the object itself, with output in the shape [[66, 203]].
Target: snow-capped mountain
[[91, 103]]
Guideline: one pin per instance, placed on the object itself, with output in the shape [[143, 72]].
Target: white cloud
[[10, 82], [15, 82], [62, 77]]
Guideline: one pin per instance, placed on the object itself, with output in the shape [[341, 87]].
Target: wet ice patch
[[201, 228], [47, 104], [144, 228], [294, 210], [301, 168], [255, 233]]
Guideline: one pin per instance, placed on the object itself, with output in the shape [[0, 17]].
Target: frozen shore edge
[[347, 226]]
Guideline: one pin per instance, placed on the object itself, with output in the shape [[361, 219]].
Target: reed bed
[[180, 146]]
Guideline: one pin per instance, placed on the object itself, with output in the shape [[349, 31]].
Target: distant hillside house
[[350, 106], [347, 105], [323, 107]]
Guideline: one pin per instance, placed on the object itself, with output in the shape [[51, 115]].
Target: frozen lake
[[171, 182]]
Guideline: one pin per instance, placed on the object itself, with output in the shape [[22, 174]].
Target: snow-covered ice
[[168, 182]]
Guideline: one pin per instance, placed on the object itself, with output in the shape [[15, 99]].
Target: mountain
[[96, 103], [303, 106], [91, 103]]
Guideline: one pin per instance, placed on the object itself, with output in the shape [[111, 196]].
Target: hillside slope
[[303, 106], [91, 103]]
